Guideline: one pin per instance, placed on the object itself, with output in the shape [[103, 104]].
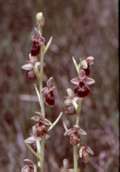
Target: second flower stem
[[75, 157], [75, 148], [41, 144]]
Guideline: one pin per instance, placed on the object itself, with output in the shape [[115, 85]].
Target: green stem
[[55, 122], [39, 153], [42, 105], [75, 157], [41, 144], [41, 82], [78, 113], [42, 155], [75, 148]]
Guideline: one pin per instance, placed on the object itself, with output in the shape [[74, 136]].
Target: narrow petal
[[27, 67], [81, 151], [82, 132], [89, 81], [75, 81], [90, 151], [50, 82]]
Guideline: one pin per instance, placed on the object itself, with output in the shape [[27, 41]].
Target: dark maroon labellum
[[34, 147], [35, 48], [49, 98], [30, 76], [87, 71], [74, 139], [40, 130], [82, 91]]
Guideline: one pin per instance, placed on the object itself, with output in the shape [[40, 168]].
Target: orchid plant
[[73, 102], [34, 70]]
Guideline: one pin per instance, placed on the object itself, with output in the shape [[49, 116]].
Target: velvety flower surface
[[74, 134], [84, 153], [82, 84], [37, 41], [48, 92], [40, 129]]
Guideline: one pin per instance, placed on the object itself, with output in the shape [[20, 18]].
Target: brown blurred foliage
[[79, 28]]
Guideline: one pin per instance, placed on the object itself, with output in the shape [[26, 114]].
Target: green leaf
[[75, 64], [48, 44]]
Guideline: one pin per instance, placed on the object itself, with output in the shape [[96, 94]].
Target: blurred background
[[79, 28]]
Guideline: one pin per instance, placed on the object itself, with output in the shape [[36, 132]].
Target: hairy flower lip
[[82, 91], [50, 99], [49, 86], [74, 135], [48, 92], [40, 131], [82, 83], [37, 41]]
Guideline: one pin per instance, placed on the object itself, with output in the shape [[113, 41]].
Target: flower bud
[[40, 19], [84, 153]]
